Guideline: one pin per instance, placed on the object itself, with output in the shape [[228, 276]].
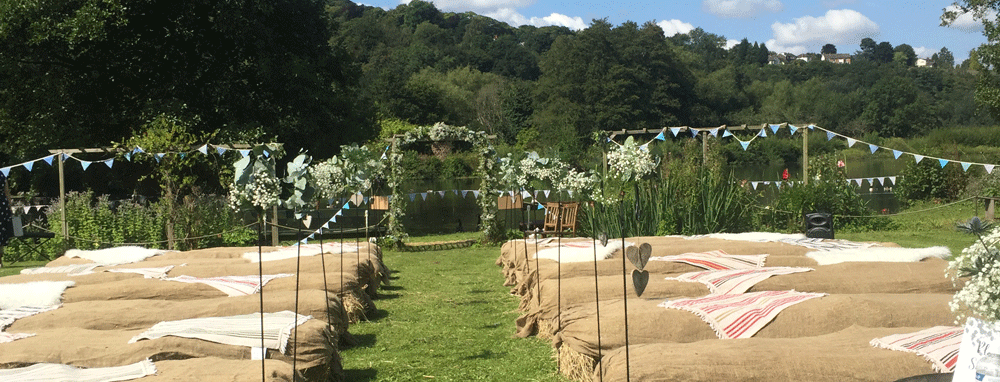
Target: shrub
[[926, 180]]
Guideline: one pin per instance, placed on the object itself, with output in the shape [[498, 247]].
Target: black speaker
[[819, 225]]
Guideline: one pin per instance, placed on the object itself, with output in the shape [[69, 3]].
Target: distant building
[[924, 62], [803, 57], [837, 58], [776, 59]]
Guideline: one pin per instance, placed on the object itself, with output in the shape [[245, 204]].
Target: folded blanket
[[11, 337], [242, 330], [232, 285], [303, 250], [38, 293], [880, 254], [9, 315], [717, 260], [580, 251], [938, 345], [117, 255], [735, 281], [70, 270], [149, 273], [740, 315], [57, 372]]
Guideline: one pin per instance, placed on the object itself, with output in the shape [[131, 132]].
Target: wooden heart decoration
[[357, 199], [639, 281], [632, 254], [603, 237], [307, 221], [645, 251]]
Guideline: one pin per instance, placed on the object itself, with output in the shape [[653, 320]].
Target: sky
[[797, 27]]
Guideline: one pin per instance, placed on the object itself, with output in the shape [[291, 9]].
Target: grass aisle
[[447, 317]]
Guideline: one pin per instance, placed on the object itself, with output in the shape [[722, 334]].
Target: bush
[[927, 180]]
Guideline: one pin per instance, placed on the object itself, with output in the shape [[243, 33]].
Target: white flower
[[980, 296], [631, 161]]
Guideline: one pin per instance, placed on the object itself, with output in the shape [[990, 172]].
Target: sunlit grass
[[925, 224], [15, 268]]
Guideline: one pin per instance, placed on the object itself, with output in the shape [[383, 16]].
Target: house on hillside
[[803, 57], [775, 59], [924, 62], [837, 58]]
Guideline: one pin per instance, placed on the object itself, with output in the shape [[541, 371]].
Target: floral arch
[[441, 132]]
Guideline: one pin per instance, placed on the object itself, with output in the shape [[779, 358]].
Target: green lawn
[[924, 225], [15, 268], [447, 317]]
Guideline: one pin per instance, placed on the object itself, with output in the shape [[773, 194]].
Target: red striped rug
[[938, 345], [740, 315]]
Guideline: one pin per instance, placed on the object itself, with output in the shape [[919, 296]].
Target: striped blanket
[[232, 285], [242, 330], [9, 315], [739, 315], [735, 281], [938, 345], [70, 270], [716, 260], [149, 273], [57, 372], [11, 337]]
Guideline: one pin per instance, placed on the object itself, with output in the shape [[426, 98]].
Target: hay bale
[[649, 323], [841, 356], [213, 369]]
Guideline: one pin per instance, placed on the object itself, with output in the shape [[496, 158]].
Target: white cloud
[[838, 27], [674, 26], [731, 43], [969, 22], [511, 16], [741, 8], [924, 52]]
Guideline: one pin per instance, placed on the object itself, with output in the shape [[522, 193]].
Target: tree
[[988, 54], [92, 71], [867, 49], [883, 53], [944, 59], [895, 108], [904, 54], [829, 49]]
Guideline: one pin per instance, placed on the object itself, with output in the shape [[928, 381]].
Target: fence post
[[805, 156], [274, 226]]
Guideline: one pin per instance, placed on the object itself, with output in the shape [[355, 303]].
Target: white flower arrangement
[[631, 161], [261, 191], [350, 172], [980, 296]]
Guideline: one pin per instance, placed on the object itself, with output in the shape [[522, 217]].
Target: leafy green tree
[[91, 71], [944, 59], [867, 51], [895, 108], [987, 55], [709, 48], [904, 54], [828, 49], [883, 53]]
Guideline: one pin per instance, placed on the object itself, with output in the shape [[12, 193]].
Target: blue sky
[[784, 25]]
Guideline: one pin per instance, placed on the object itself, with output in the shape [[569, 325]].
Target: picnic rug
[[59, 372], [740, 315], [735, 281], [938, 345]]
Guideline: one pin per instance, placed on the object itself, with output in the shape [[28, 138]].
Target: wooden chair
[[560, 219]]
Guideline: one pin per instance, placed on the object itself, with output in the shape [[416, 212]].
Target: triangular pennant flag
[[158, 157], [726, 133], [851, 142], [267, 154], [880, 181], [325, 225], [441, 194], [464, 193], [65, 156], [766, 183], [423, 195], [675, 130], [320, 230], [774, 128], [745, 145], [48, 159], [546, 192], [762, 133], [84, 164], [660, 136], [28, 165], [829, 135], [965, 166], [384, 157], [413, 197], [339, 213], [812, 127], [873, 148], [694, 133], [244, 153], [892, 179], [128, 156], [918, 158], [220, 150], [896, 154], [791, 184], [535, 194], [5, 171], [793, 129], [857, 181], [475, 193], [26, 209], [203, 149], [541, 206], [570, 193], [304, 241], [714, 132], [346, 206], [525, 194], [510, 193], [989, 168], [943, 162], [110, 162], [753, 185], [871, 181], [137, 150], [644, 147], [313, 235], [334, 218]]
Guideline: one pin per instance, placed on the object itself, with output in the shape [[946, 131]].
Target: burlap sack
[[309, 266], [213, 369], [142, 314], [925, 276], [317, 354], [91, 279], [649, 323], [835, 357]]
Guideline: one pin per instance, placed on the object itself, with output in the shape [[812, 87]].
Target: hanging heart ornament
[[603, 237], [632, 254], [645, 251], [639, 281]]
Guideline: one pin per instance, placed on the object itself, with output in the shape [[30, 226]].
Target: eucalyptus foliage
[[255, 183]]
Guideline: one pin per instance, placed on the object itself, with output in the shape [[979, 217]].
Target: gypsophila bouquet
[[261, 191], [631, 161], [978, 266], [350, 172]]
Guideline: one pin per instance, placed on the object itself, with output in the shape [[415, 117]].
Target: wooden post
[[704, 148], [805, 156], [274, 226], [62, 198]]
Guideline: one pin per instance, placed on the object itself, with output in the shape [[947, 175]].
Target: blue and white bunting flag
[[347, 206], [660, 136], [965, 166], [675, 130], [84, 164], [48, 159], [110, 162], [943, 162], [918, 158], [203, 149], [5, 171], [753, 185], [441, 194], [989, 168], [464, 193], [873, 148], [714, 132], [137, 150], [829, 135], [812, 127], [745, 145], [220, 150], [546, 192], [793, 129], [762, 133], [28, 165], [475, 193], [774, 128], [128, 157], [851, 142], [244, 153], [413, 197], [423, 195], [896, 154], [694, 132], [726, 133]]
